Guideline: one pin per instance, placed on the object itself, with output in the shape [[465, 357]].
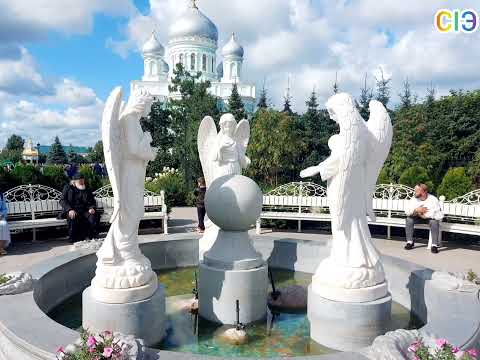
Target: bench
[[32, 207], [306, 201]]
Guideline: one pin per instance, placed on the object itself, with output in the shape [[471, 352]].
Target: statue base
[[142, 319], [347, 326], [219, 289], [122, 296], [361, 295], [208, 239]]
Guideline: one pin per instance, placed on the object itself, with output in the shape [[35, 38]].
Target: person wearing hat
[[80, 209]]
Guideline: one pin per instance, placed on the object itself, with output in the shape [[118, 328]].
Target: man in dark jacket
[[79, 207]]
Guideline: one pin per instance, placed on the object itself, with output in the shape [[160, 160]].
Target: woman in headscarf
[[4, 230]]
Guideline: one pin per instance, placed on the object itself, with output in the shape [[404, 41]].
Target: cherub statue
[[127, 151], [351, 172], [223, 153]]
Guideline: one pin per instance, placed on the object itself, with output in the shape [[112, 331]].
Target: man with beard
[[423, 208], [79, 207]]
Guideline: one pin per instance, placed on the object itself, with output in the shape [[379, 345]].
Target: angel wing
[[111, 137], [206, 140], [242, 133], [380, 130]]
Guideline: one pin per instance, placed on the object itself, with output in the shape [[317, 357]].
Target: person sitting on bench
[[423, 208], [79, 207]]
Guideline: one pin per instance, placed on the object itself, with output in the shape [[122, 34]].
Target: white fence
[[38, 206], [306, 201]]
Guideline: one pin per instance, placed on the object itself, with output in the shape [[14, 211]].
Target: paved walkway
[[451, 258]]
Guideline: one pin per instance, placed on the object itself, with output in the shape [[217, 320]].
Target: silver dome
[[153, 46], [194, 23], [233, 48]]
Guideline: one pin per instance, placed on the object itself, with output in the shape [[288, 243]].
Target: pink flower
[[91, 341], [107, 352], [441, 342], [91, 349], [60, 350], [413, 348], [455, 349], [473, 353], [107, 333]]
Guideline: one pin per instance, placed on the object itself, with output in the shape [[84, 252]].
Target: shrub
[[55, 176], [93, 181], [4, 278], [172, 182], [26, 174], [455, 183], [442, 351], [414, 175]]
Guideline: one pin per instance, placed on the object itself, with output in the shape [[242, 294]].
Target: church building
[[193, 42]]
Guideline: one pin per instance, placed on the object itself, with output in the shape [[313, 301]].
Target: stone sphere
[[233, 202]]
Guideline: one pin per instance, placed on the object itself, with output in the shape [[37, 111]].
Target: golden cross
[[194, 4]]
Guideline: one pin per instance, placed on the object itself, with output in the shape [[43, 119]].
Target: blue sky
[[59, 59]]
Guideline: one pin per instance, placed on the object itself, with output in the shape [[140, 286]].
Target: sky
[[59, 59]]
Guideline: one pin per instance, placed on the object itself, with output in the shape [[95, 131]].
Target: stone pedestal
[[143, 319], [219, 289], [347, 326]]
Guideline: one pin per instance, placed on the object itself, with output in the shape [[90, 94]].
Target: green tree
[[406, 96], [415, 175], [93, 181], [263, 100], [57, 154], [27, 174], [276, 146], [366, 96], [383, 89], [15, 143], [317, 128], [73, 157], [187, 110], [14, 156], [159, 125], [235, 104], [96, 153], [455, 183]]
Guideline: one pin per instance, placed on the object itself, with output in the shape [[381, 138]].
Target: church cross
[[194, 4]]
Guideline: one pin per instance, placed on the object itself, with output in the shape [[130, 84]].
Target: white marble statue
[[353, 271], [121, 266], [221, 153]]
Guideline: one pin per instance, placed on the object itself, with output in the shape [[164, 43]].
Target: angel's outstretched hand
[[309, 172]]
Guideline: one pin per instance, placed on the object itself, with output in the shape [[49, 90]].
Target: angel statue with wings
[[121, 265], [357, 156], [222, 153]]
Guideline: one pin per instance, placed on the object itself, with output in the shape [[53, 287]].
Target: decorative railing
[[389, 200], [31, 193], [299, 189], [107, 192]]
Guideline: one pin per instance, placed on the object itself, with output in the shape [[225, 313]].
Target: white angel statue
[[351, 172], [222, 153], [127, 151]]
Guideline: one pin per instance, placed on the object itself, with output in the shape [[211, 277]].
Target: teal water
[[282, 334]]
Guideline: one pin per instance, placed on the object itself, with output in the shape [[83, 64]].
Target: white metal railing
[[389, 203]]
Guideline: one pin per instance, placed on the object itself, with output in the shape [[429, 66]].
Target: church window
[[204, 62], [192, 62]]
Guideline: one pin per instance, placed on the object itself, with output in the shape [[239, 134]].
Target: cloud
[[20, 76], [70, 92], [79, 125]]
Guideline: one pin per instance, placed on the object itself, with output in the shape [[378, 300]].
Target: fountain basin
[[26, 332]]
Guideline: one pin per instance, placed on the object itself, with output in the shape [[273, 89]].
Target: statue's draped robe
[[228, 160], [137, 152], [351, 245]]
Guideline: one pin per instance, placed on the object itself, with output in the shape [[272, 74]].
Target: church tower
[[155, 67], [232, 61]]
